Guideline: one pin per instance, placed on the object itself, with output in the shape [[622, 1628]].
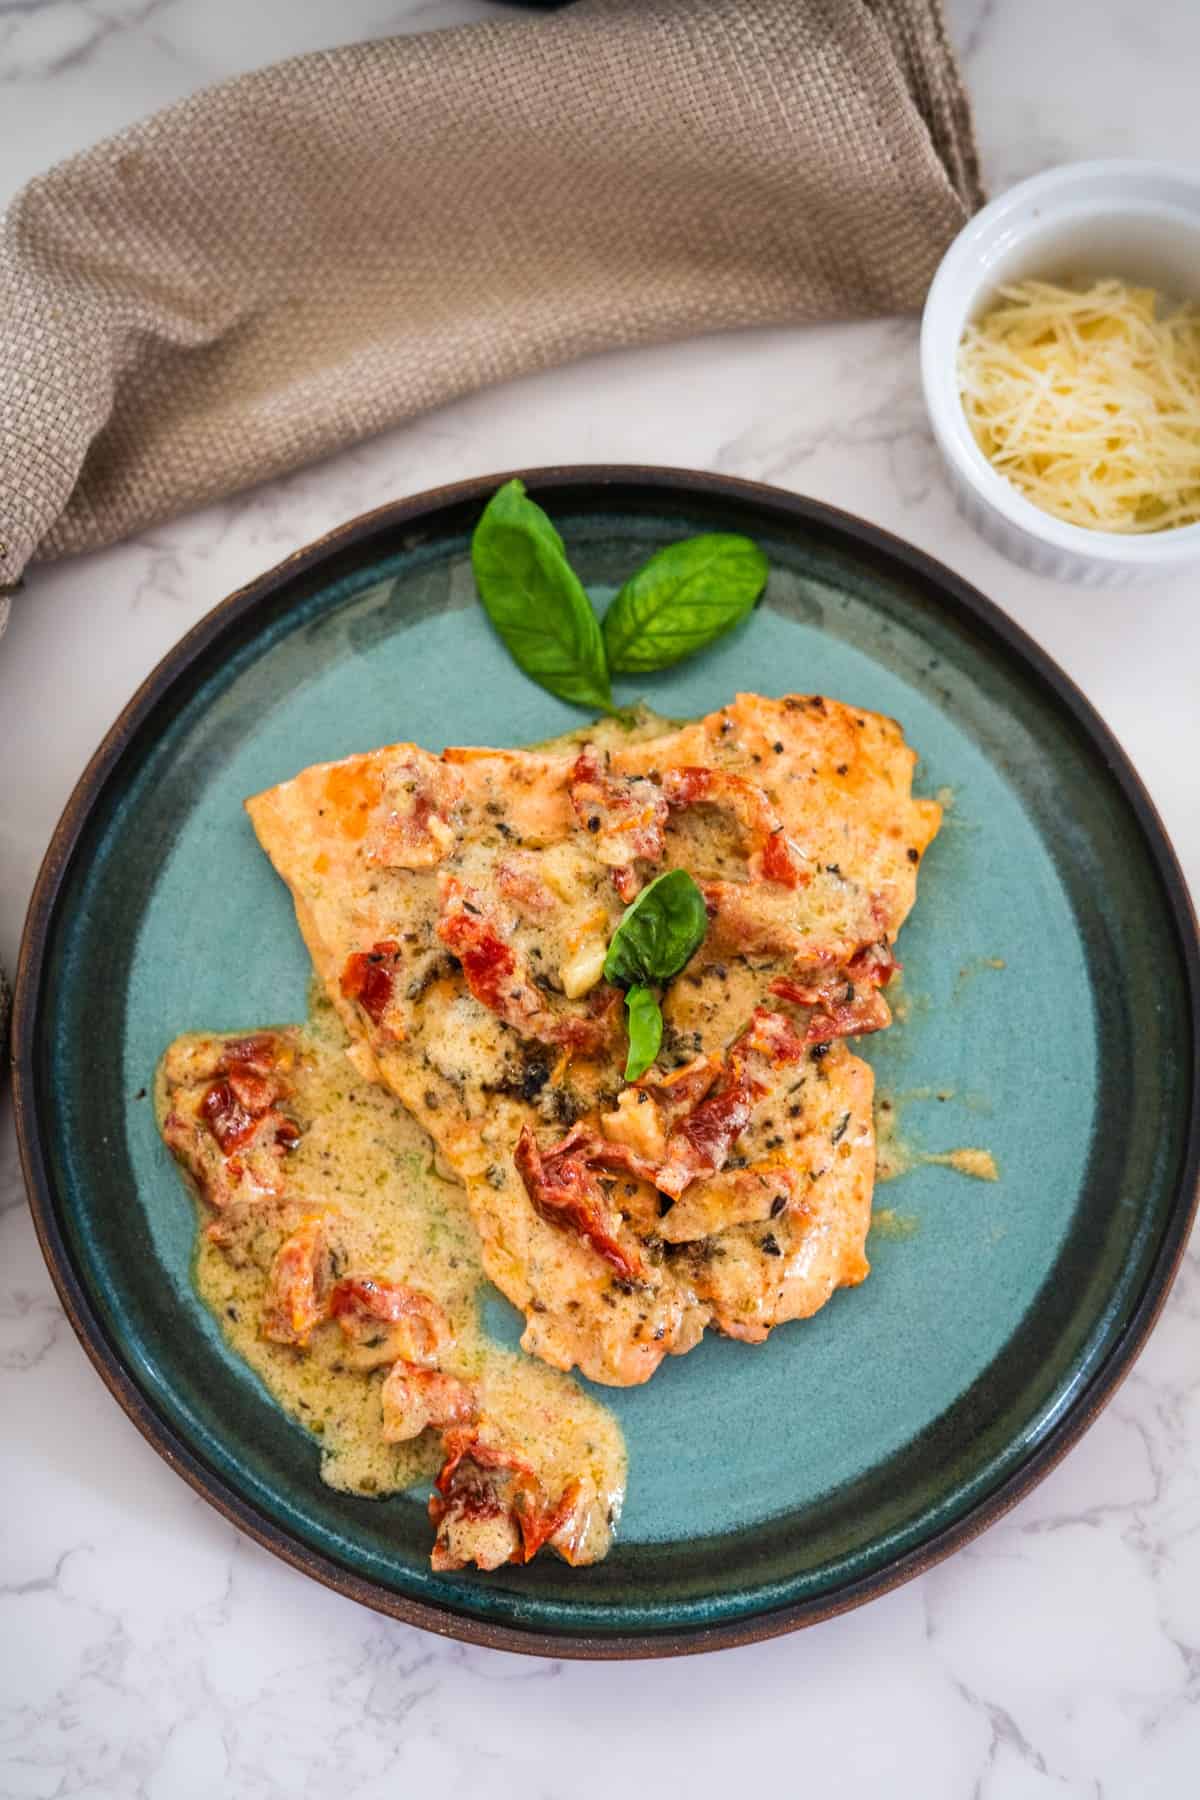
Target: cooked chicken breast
[[457, 909]]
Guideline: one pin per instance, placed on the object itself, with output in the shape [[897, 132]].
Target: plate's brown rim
[[105, 1357]]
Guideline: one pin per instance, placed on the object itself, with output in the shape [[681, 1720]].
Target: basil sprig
[[645, 1030], [658, 933], [536, 601], [684, 598], [687, 595]]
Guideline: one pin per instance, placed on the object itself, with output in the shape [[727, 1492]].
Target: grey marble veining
[[146, 1649]]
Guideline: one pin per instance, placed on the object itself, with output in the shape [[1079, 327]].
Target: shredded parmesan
[[1088, 400]]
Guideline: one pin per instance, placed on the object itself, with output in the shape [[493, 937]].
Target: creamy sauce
[[362, 1155], [887, 1223], [896, 1155], [980, 1165]]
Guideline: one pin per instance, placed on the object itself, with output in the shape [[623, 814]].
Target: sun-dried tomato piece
[[539, 1524], [846, 1001], [243, 1097], [252, 1091], [874, 964], [490, 1508], [297, 1297], [565, 1191], [702, 1141], [778, 863], [500, 980], [257, 1054], [771, 855], [398, 1321], [228, 1120], [771, 1038], [414, 1398], [853, 1018], [369, 976], [488, 963]]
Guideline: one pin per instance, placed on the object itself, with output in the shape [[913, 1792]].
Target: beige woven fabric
[[312, 253]]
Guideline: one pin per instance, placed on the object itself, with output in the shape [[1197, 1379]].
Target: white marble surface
[[145, 1648]]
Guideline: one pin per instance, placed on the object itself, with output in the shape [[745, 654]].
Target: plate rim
[[105, 1356]]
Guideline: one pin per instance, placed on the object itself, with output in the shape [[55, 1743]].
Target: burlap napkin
[[309, 254]]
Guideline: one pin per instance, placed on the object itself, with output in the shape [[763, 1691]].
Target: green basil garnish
[[665, 926], [681, 600], [536, 601], [645, 1031]]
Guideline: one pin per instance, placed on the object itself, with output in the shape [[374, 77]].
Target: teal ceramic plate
[[768, 1487]]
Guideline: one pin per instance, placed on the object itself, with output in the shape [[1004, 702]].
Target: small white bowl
[[1136, 220]]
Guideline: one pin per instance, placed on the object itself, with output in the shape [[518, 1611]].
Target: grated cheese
[[1088, 400]]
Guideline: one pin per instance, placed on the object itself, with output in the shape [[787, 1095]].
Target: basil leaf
[[645, 1031], [683, 598], [536, 601], [664, 926]]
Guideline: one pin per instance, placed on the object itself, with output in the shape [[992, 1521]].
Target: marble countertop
[[148, 1650]]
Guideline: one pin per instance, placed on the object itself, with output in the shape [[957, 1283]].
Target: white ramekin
[[1137, 220]]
